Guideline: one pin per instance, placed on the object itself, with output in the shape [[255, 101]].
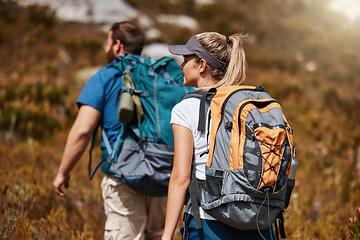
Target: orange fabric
[[272, 136], [244, 114], [234, 161], [270, 139], [216, 107], [277, 137]]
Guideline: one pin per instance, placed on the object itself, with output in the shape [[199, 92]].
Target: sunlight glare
[[351, 8]]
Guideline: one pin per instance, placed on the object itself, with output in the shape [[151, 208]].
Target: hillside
[[303, 53]]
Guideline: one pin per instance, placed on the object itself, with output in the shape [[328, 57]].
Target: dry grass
[[322, 106]]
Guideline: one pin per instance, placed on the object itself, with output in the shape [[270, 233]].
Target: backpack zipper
[[254, 102], [268, 102]]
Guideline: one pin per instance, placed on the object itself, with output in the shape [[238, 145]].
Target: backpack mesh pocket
[[272, 143]]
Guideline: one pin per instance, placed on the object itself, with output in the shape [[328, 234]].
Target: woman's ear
[[202, 66]]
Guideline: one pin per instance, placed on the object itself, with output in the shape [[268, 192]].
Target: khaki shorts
[[130, 215]]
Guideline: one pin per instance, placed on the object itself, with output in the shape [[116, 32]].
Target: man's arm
[[79, 136]]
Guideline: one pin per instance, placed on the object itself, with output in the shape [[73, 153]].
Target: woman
[[211, 60]]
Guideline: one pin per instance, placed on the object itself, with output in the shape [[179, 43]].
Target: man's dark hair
[[130, 35]]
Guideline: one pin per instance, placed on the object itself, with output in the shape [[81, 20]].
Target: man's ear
[[118, 47], [202, 66]]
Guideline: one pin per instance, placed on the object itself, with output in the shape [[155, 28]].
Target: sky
[[351, 8]]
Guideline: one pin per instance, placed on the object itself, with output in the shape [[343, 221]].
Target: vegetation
[[302, 53]]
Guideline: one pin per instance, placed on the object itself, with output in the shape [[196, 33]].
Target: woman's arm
[[180, 178]]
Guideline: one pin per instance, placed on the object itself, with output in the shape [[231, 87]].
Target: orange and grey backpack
[[250, 157]]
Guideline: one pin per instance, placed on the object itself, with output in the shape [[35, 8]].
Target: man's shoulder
[[106, 72], [115, 67]]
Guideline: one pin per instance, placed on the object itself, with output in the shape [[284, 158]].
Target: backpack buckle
[[260, 88], [228, 126]]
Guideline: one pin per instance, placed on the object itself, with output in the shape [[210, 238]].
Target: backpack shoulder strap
[[279, 226], [91, 173], [161, 62], [194, 198], [125, 63], [111, 152], [102, 161], [196, 94], [207, 96], [204, 96]]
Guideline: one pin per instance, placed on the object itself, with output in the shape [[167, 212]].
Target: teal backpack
[[142, 156]]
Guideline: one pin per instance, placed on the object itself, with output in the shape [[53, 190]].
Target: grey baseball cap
[[194, 47]]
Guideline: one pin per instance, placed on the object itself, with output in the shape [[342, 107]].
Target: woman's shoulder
[[187, 104], [185, 112]]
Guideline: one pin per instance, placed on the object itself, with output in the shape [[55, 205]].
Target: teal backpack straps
[[122, 69], [166, 61], [161, 62], [110, 152], [125, 63], [103, 160], [91, 173]]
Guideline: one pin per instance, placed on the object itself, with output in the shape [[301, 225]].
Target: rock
[[95, 11]]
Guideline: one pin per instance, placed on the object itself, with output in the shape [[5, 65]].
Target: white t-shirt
[[186, 113]]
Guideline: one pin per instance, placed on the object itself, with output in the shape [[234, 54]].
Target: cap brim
[[179, 50]]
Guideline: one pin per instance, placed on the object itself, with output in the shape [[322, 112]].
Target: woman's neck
[[206, 82]]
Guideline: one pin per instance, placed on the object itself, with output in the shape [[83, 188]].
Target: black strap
[[193, 189], [201, 123], [202, 114], [279, 227], [260, 88], [92, 172], [276, 226]]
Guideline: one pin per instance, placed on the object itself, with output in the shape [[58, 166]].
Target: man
[[129, 215]]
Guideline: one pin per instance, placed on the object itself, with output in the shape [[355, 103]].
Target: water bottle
[[293, 167], [126, 108]]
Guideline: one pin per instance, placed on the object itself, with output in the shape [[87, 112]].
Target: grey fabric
[[233, 196], [239, 204], [145, 163], [194, 47], [222, 147]]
